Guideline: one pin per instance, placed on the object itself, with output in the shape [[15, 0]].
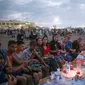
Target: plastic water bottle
[[58, 71], [59, 77], [52, 75], [67, 66]]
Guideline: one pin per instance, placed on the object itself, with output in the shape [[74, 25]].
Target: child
[[59, 58]]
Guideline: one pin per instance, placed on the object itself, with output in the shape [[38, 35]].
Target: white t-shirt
[[81, 56]]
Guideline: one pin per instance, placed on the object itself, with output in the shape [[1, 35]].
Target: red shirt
[[10, 59], [46, 49]]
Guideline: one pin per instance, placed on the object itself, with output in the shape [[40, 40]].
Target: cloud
[[1, 0], [50, 3], [54, 21], [83, 25], [82, 6], [20, 2], [45, 12], [18, 16]]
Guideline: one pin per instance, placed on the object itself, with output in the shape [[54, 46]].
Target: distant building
[[14, 24]]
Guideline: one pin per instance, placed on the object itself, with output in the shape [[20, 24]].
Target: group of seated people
[[26, 66]]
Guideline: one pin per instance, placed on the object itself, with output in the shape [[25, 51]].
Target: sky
[[62, 13]]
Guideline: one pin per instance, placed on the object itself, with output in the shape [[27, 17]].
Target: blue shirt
[[59, 58], [68, 45], [26, 54]]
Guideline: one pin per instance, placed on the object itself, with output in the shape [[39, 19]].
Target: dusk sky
[[61, 13]]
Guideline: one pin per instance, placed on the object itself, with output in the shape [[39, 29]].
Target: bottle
[[58, 71], [59, 77], [52, 75], [67, 66]]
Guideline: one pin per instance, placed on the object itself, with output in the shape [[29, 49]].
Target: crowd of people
[[28, 65], [26, 34]]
